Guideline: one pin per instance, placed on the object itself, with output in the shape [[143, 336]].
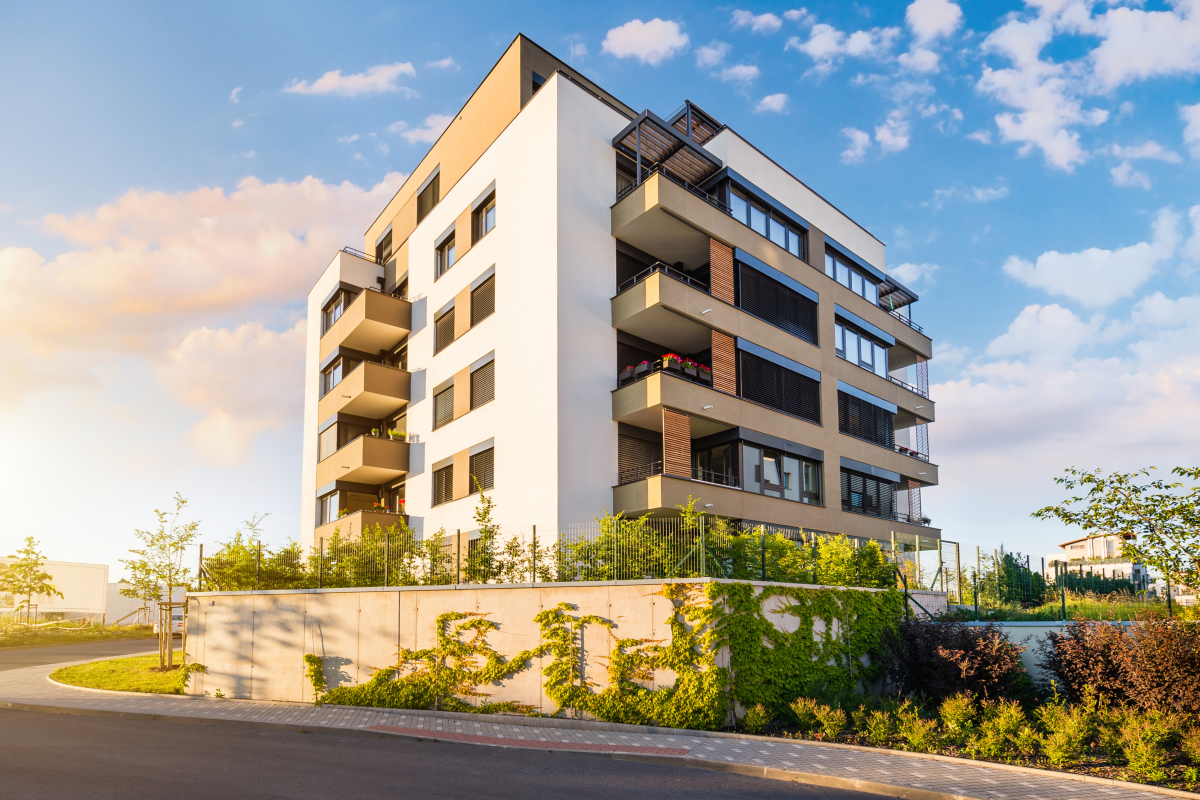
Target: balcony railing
[[365, 256], [665, 269], [659, 169], [718, 478], [898, 516], [909, 386], [645, 369], [635, 474], [911, 453], [905, 320]]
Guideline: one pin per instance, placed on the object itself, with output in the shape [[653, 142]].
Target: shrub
[[998, 731], [833, 722], [920, 735], [1068, 729], [958, 717], [1144, 738], [942, 659], [805, 709], [1189, 743], [877, 727], [1086, 653], [757, 719], [1162, 665]]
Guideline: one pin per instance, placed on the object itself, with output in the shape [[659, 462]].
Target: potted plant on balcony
[[626, 375], [704, 373], [375, 432], [672, 362], [380, 505], [343, 512], [396, 435], [642, 368], [689, 368]]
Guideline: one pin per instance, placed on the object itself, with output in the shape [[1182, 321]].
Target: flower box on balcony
[[705, 376], [689, 371], [672, 362], [642, 368]]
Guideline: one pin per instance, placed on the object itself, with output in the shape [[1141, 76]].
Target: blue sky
[[174, 179]]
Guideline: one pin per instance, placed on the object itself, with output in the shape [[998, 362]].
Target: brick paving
[[29, 686]]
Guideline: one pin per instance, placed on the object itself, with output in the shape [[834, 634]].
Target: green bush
[[757, 719], [1002, 722], [878, 727], [833, 722], [1144, 740], [1068, 730], [805, 709], [1189, 743], [958, 718]]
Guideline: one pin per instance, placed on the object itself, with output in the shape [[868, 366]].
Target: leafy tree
[[158, 569], [1164, 517], [25, 578]]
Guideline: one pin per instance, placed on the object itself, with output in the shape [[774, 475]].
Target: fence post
[[533, 558], [387, 554], [762, 545], [457, 556], [957, 573], [257, 563], [1062, 594], [702, 572], [320, 561], [975, 580], [200, 571]]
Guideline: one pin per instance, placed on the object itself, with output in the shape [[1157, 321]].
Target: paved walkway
[[880, 772]]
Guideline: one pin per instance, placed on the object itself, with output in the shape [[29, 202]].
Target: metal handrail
[[718, 478], [905, 320], [355, 252], [635, 474], [667, 270], [659, 169], [911, 453], [898, 516], [657, 366], [908, 386]]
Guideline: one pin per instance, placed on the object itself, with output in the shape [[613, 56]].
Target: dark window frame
[[479, 218], [440, 325], [481, 395]]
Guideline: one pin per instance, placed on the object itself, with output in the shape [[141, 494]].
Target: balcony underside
[[373, 321], [660, 495], [366, 460]]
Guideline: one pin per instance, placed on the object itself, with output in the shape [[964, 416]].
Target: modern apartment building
[[528, 307]]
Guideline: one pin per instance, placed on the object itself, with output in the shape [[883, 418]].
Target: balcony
[[351, 526], [369, 390], [660, 494], [367, 460], [644, 471], [373, 321], [637, 372]]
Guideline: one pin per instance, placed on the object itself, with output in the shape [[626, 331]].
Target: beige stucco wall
[[253, 642]]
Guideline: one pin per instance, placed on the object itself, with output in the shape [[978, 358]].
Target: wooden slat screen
[[724, 362], [721, 270], [628, 267], [677, 443]]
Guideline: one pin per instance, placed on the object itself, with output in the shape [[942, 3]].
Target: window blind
[[483, 385], [483, 476], [865, 420], [443, 408], [483, 301], [443, 331], [779, 388], [770, 300], [443, 485]]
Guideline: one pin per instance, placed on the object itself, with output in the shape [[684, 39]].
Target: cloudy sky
[[174, 178]]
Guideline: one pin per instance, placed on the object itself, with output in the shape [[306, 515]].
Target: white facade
[[84, 588]]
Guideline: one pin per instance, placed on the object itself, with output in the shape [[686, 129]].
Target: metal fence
[[605, 550]]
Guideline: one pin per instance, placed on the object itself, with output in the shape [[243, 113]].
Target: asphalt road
[[57, 756], [13, 657]]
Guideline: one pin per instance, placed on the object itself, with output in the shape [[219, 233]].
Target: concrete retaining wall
[[1028, 635], [253, 642]]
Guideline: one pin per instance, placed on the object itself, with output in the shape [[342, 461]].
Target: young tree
[[158, 569], [1164, 517], [24, 577]]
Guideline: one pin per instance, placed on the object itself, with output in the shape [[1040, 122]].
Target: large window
[[767, 222], [334, 308], [443, 485], [483, 385], [852, 278], [445, 255], [429, 197], [484, 218], [383, 250], [777, 387], [443, 407], [770, 300], [716, 464], [859, 348], [864, 494], [778, 474], [864, 420], [327, 508], [483, 301], [483, 473], [443, 331], [332, 375]]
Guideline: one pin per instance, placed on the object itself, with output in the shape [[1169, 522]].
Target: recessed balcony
[[367, 460], [369, 390], [351, 526], [373, 321]]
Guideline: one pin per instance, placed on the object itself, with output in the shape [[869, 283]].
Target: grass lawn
[[14, 636], [137, 674]]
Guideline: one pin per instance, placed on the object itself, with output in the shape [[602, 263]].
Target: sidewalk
[[880, 772]]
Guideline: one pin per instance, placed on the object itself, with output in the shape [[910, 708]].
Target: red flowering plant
[[381, 505], [671, 357], [703, 368]]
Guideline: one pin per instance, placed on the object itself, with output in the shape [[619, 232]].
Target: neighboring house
[[1098, 557], [122, 610], [515, 303], [84, 588], [1183, 595]]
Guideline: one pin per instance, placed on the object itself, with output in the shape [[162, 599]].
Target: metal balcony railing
[[909, 386], [640, 473], [659, 169], [638, 371], [905, 320], [665, 269], [898, 516], [718, 478], [355, 252]]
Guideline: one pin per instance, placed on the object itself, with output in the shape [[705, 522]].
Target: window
[[331, 377], [858, 348], [335, 307], [769, 300], [383, 250], [864, 494], [327, 508], [484, 218], [483, 473], [864, 420], [861, 284], [443, 485], [483, 385], [777, 474], [443, 407], [443, 333], [445, 255], [327, 443], [758, 220], [483, 301], [768, 223], [777, 387], [716, 465], [538, 80], [429, 197]]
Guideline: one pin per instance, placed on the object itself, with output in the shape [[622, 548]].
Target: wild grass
[[17, 635]]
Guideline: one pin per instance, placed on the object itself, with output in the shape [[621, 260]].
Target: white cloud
[[981, 136], [711, 54], [742, 73], [233, 96], [826, 45], [971, 194], [1151, 149], [444, 63], [1125, 175], [760, 23], [1045, 334], [1191, 130], [921, 60], [354, 137], [893, 134], [249, 153], [776, 103], [800, 16], [912, 274], [650, 42], [378, 79], [577, 50], [429, 131], [932, 19], [237, 123], [1191, 248], [1137, 44], [383, 148], [860, 143], [1096, 277]]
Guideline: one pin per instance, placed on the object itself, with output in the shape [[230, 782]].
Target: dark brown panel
[[721, 258]]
